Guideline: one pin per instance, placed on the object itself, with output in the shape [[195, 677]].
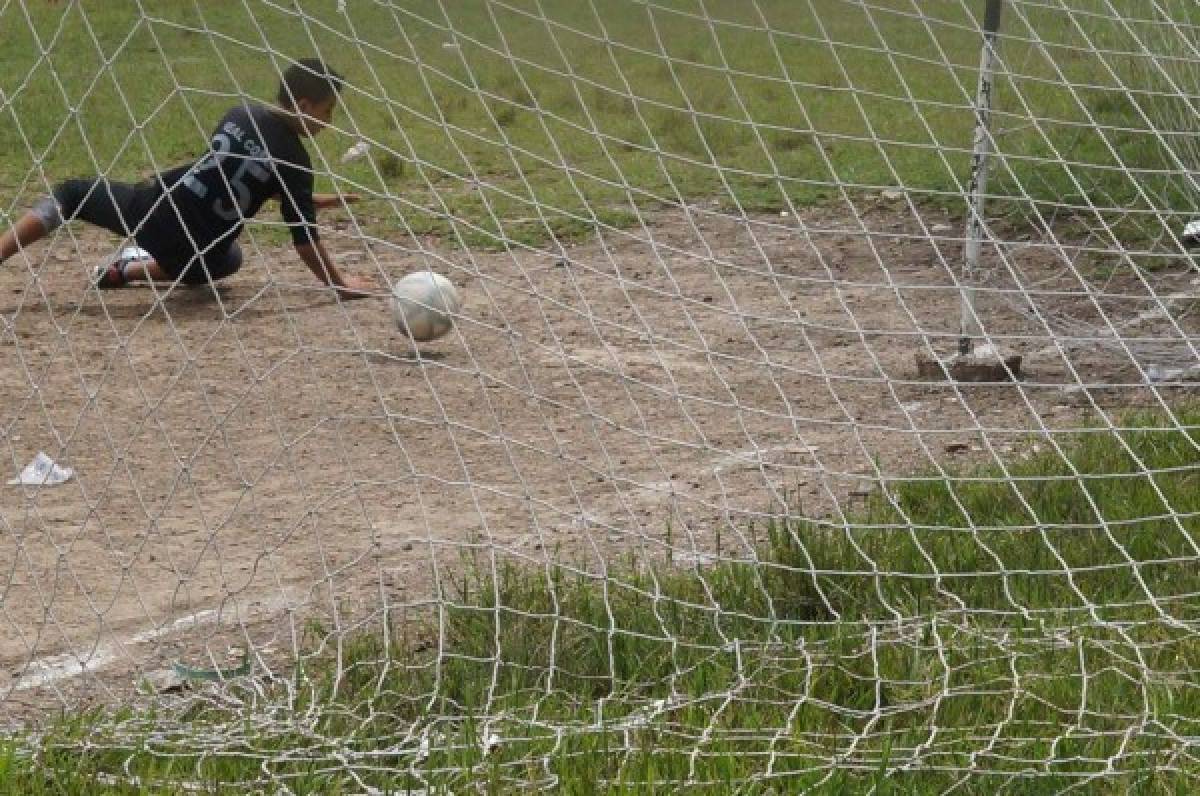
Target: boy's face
[[315, 116]]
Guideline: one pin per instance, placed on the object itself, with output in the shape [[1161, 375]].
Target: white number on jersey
[[248, 167]]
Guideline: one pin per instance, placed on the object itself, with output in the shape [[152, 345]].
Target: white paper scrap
[[355, 152], [42, 471]]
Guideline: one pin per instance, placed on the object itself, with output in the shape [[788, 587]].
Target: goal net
[[674, 505]]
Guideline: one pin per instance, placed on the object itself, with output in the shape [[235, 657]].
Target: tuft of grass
[[391, 167], [1021, 630]]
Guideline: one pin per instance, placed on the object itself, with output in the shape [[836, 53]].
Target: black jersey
[[254, 155]]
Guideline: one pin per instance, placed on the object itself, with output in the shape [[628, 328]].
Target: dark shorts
[[122, 209]]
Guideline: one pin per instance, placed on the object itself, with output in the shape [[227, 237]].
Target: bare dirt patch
[[264, 456]]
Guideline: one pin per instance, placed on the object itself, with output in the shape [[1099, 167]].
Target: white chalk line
[[64, 666]]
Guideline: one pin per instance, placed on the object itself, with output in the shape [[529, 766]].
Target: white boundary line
[[55, 668]]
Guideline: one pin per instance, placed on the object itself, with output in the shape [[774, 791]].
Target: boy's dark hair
[[308, 79]]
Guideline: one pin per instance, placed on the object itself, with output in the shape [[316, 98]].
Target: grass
[[956, 626], [1031, 626], [525, 122]]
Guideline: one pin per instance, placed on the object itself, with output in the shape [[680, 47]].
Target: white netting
[[670, 506]]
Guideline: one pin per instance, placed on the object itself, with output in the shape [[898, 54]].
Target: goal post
[[977, 187]]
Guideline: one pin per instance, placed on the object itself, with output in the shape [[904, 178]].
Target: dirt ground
[[261, 456]]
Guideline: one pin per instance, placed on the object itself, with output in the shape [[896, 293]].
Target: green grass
[[532, 128], [835, 645], [1032, 625]]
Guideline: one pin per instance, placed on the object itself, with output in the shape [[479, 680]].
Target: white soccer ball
[[425, 304]]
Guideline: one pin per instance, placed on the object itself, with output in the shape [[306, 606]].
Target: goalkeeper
[[188, 219]]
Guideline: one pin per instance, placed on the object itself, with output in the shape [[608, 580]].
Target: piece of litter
[[491, 743], [355, 152], [215, 675], [890, 194], [1161, 373], [163, 681], [42, 471]]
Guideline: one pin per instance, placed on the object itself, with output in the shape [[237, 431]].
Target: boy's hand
[[321, 264], [324, 201], [356, 287]]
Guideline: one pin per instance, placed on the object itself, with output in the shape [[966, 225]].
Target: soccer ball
[[425, 304]]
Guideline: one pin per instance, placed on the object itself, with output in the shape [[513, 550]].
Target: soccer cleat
[[1191, 235], [111, 275], [108, 276]]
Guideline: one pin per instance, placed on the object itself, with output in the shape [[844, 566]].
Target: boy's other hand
[[324, 201], [356, 287]]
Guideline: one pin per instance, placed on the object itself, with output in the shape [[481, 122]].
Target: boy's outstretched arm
[[321, 264], [324, 201]]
